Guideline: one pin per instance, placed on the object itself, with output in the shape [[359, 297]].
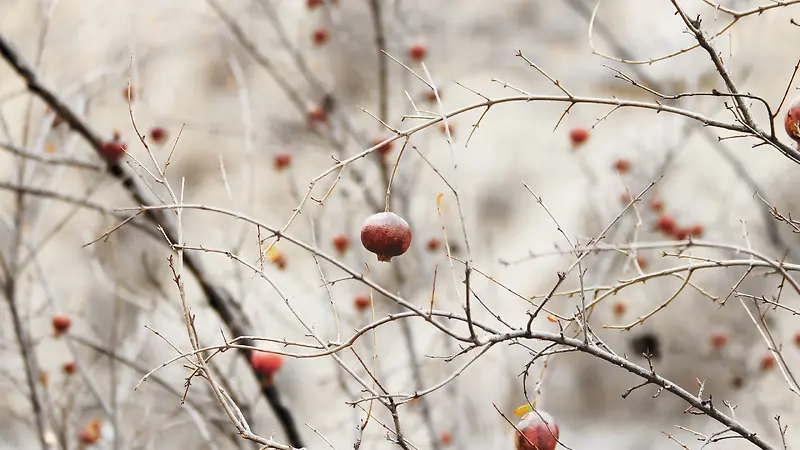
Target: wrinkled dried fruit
[[792, 121], [578, 136], [537, 431], [386, 234]]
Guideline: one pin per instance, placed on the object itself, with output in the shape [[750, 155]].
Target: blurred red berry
[[61, 324], [666, 225], [158, 135], [434, 244], [282, 161], [767, 362], [90, 434], [70, 368], [797, 339], [113, 150], [578, 136], [430, 97], [719, 340], [625, 198], [680, 234], [266, 363], [446, 438], [341, 243], [620, 308], [320, 36], [318, 114], [362, 303], [642, 262], [384, 149], [656, 205], [129, 92], [417, 52], [443, 128], [696, 230], [792, 121], [314, 3], [622, 166]]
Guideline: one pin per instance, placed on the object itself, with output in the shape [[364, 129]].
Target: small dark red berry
[[341, 243], [696, 231], [417, 52], [320, 36], [362, 303], [158, 135], [282, 161], [70, 368], [113, 150], [61, 324], [719, 340], [666, 225], [578, 136], [384, 149], [386, 234], [657, 205], [317, 114], [434, 244], [622, 165]]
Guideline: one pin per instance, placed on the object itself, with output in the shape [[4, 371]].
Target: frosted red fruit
[[719, 340], [417, 52], [158, 135], [341, 243], [792, 120], [666, 225], [540, 430], [266, 363], [320, 36], [282, 161], [113, 150], [386, 234], [362, 303], [578, 136], [61, 324], [434, 244], [622, 165]]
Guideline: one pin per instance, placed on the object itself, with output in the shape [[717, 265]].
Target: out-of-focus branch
[[223, 303]]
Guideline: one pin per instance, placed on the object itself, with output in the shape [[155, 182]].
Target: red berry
[[314, 3], [666, 225], [625, 198], [61, 324], [622, 165], [642, 262], [362, 303], [446, 438], [113, 150], [70, 368], [797, 339], [90, 434], [417, 52], [792, 121], [129, 92], [266, 363], [158, 135], [443, 128], [680, 234], [578, 136], [384, 149], [341, 243], [532, 429], [320, 36], [719, 340], [386, 234], [767, 362], [656, 205], [434, 244], [696, 230], [317, 114], [282, 161], [620, 308], [430, 97]]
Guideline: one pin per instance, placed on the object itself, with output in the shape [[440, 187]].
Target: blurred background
[[232, 90]]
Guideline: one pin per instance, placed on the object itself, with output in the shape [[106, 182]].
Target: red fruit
[[719, 340], [797, 339], [434, 244], [128, 92], [386, 234], [266, 363], [543, 434], [158, 135], [317, 114], [622, 165], [642, 262], [443, 128], [113, 150], [341, 243], [70, 368], [666, 225], [61, 324], [578, 136], [384, 149], [320, 36], [680, 234], [625, 198], [90, 434], [792, 121], [430, 97], [767, 362], [620, 308], [362, 303], [696, 230], [656, 205], [446, 438], [314, 3], [282, 161], [417, 52]]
